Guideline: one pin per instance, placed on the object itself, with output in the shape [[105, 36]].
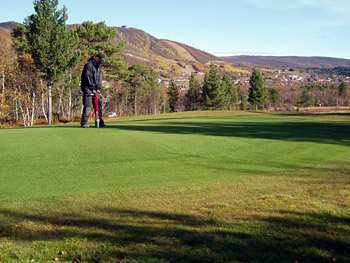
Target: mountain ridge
[[180, 59], [290, 61]]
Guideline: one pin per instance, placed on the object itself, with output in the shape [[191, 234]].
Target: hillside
[[169, 57], [291, 61], [9, 25]]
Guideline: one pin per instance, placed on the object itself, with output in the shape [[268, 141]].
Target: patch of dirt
[[182, 51], [325, 109]]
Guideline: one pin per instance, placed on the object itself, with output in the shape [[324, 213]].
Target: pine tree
[[257, 91], [173, 95], [97, 38], [143, 88], [231, 98], [342, 88], [242, 99], [273, 96], [193, 95], [52, 46], [306, 99], [212, 91]]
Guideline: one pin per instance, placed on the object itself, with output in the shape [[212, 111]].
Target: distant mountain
[[9, 25], [145, 49], [168, 57], [181, 59], [291, 61]]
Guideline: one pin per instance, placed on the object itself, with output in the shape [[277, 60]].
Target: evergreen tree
[[242, 99], [154, 98], [342, 88], [173, 95], [97, 38], [137, 84], [52, 46], [306, 99], [213, 92], [143, 88], [231, 98], [257, 92], [193, 96], [273, 96]]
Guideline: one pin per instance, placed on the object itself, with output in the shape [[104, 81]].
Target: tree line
[[218, 93], [41, 69], [345, 71], [41, 73], [41, 63]]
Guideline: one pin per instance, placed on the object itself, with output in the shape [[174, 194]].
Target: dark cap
[[101, 57]]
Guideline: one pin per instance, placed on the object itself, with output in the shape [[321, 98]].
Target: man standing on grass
[[91, 82]]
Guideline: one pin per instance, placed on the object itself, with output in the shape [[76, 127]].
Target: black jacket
[[91, 77]]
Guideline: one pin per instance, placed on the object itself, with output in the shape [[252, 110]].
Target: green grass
[[185, 187]]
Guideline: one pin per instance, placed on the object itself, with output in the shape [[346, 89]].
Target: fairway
[[184, 187]]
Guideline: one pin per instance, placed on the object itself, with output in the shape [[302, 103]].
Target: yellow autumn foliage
[[235, 70]]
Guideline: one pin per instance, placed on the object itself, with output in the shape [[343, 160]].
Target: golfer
[[91, 82]]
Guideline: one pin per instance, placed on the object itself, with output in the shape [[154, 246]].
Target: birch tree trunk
[[125, 105], [23, 115], [17, 111], [115, 90], [154, 106], [135, 104], [42, 100], [60, 105], [27, 116], [2, 92], [69, 104], [49, 105], [21, 108], [70, 97], [33, 109]]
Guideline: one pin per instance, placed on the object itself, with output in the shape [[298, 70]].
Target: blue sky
[[221, 27]]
